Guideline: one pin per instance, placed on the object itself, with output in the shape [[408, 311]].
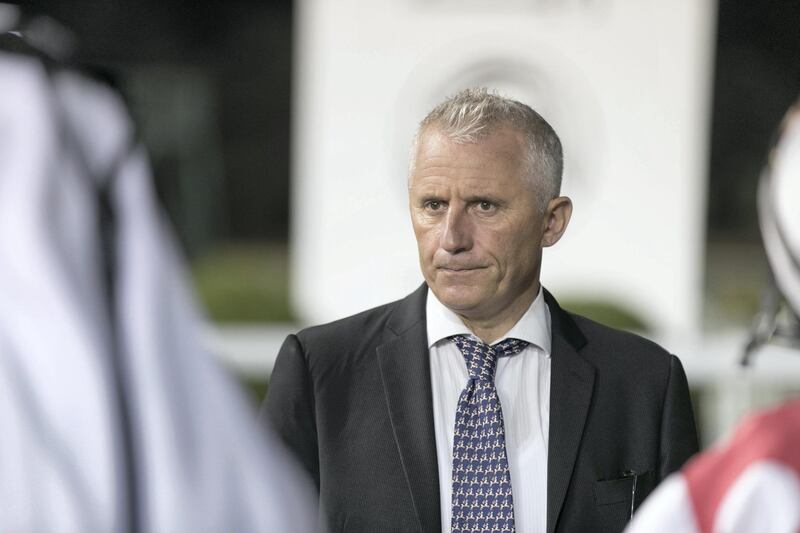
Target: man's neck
[[489, 329]]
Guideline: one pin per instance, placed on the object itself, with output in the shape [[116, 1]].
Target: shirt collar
[[533, 327]]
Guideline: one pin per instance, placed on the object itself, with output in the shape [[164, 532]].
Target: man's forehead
[[467, 184], [468, 181]]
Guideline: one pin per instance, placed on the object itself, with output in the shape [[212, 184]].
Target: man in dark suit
[[476, 403]]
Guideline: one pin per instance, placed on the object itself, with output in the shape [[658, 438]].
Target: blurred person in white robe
[[113, 418]]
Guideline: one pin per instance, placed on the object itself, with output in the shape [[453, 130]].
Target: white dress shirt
[[523, 385]]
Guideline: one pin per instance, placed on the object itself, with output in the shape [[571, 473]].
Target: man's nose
[[457, 234]]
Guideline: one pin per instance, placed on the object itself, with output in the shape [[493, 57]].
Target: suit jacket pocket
[[610, 491], [621, 489]]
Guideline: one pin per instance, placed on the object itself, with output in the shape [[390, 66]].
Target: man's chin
[[458, 299]]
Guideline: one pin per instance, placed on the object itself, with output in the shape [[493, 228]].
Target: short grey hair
[[473, 114]]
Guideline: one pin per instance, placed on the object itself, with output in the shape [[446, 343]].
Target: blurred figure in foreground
[[113, 417], [752, 482]]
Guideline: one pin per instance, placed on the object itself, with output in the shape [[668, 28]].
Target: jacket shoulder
[[624, 347], [351, 342], [347, 329]]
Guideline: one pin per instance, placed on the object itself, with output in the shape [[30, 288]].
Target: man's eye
[[433, 205], [486, 206]]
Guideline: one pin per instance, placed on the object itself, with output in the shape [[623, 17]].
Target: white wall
[[625, 83]]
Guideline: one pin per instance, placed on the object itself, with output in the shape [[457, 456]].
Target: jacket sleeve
[[289, 405], [678, 431]]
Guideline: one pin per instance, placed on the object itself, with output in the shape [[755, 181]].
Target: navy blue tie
[[482, 500]]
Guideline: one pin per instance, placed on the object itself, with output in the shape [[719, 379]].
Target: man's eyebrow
[[429, 196]]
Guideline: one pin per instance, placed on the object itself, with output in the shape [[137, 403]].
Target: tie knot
[[482, 358]]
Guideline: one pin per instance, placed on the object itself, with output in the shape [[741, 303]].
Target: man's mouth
[[460, 268]]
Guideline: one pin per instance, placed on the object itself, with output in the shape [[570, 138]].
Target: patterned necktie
[[482, 500]]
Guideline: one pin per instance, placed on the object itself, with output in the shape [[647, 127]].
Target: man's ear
[[557, 215]]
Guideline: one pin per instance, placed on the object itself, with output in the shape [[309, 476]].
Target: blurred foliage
[[736, 276], [606, 313], [244, 283], [255, 389]]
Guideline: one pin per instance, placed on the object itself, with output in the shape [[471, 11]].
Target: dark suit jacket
[[353, 400]]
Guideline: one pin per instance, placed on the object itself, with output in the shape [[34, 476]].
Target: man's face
[[477, 222]]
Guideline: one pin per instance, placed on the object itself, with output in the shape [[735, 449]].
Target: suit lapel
[[571, 384], [405, 372]]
